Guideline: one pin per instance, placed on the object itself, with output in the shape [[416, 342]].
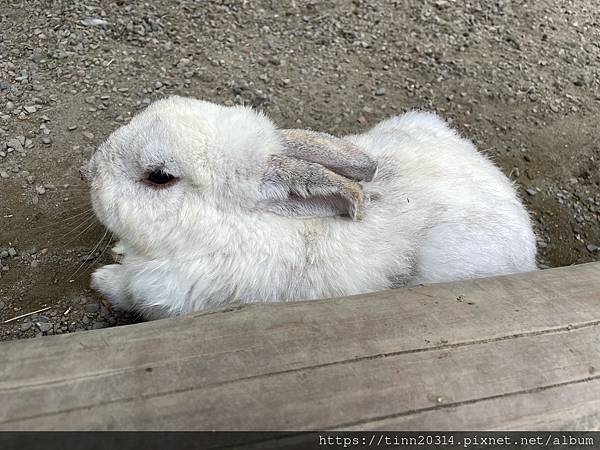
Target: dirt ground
[[521, 79]]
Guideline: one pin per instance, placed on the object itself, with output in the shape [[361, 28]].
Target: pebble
[[15, 144], [46, 140], [40, 190], [379, 91], [593, 248], [12, 252], [3, 174], [44, 327], [88, 135], [2, 304], [92, 308], [25, 326], [531, 191], [72, 127], [94, 22]]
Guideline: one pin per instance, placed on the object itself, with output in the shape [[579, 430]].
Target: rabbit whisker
[[73, 217], [71, 277], [91, 224], [110, 240], [85, 221]]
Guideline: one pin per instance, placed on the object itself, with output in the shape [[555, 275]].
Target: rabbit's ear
[[338, 155], [297, 188]]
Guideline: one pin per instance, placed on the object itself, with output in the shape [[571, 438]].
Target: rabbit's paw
[[110, 282]]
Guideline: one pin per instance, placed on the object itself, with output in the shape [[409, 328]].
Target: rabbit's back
[[464, 214]]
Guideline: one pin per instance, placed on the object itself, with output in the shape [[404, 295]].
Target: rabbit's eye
[[159, 177]]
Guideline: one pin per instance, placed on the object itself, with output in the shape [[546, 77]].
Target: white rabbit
[[213, 205]]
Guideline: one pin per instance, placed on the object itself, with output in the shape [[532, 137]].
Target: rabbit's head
[[164, 180]]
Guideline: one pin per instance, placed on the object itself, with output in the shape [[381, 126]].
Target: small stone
[[30, 109], [99, 325], [34, 264], [3, 254], [25, 326], [531, 191], [15, 144], [92, 308], [46, 140], [2, 304], [72, 127], [379, 91], [3, 174], [94, 22], [40, 190], [593, 248], [10, 106], [44, 326], [12, 252], [88, 135]]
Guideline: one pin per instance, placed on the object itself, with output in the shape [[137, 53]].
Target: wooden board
[[514, 352]]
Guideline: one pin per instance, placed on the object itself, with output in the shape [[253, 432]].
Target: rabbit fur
[[258, 214]]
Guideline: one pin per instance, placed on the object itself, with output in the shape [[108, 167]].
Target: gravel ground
[[521, 79]]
